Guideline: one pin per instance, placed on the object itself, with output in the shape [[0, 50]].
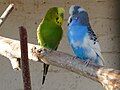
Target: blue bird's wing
[[94, 44]]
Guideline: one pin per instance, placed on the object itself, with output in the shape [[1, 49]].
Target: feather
[[94, 44]]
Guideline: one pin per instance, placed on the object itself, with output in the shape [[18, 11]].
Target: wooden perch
[[11, 49], [6, 13], [108, 77], [24, 58]]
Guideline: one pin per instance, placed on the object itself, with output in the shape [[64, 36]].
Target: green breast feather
[[49, 35]]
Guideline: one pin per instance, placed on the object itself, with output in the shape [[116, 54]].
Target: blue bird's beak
[[69, 20]]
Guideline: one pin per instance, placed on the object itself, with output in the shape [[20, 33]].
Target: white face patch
[[81, 9]]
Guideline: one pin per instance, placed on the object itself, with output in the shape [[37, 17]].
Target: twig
[[6, 13], [24, 58], [109, 78]]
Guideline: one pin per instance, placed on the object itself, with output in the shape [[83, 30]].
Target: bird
[[82, 38], [50, 32]]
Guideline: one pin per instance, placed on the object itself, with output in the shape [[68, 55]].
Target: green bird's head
[[55, 14]]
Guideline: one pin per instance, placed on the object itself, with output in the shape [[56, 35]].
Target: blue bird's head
[[78, 13]]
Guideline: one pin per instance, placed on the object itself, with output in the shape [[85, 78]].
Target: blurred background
[[105, 21]]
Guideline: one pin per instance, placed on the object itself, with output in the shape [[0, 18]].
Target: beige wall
[[104, 19]]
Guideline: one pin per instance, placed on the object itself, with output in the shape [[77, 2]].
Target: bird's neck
[[49, 21], [79, 22], [83, 21]]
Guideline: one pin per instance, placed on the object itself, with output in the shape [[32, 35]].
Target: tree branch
[[11, 49], [6, 13], [109, 78]]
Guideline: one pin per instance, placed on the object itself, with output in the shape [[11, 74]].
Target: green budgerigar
[[49, 32]]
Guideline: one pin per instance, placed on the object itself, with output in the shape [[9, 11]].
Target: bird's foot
[[50, 50], [87, 62], [75, 57], [43, 52]]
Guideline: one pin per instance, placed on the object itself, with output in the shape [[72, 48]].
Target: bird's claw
[[87, 62], [43, 52], [75, 57]]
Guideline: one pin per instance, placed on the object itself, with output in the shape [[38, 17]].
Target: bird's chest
[[77, 36], [51, 36]]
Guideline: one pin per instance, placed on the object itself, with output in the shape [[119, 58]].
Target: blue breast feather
[[76, 37]]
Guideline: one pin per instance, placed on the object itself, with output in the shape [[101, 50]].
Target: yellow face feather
[[55, 14], [60, 15]]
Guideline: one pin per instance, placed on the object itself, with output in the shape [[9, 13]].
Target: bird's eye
[[57, 12]]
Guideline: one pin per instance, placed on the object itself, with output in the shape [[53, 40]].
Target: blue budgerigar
[[81, 36]]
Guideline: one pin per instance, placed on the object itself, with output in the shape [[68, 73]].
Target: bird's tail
[[101, 61], [45, 66]]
